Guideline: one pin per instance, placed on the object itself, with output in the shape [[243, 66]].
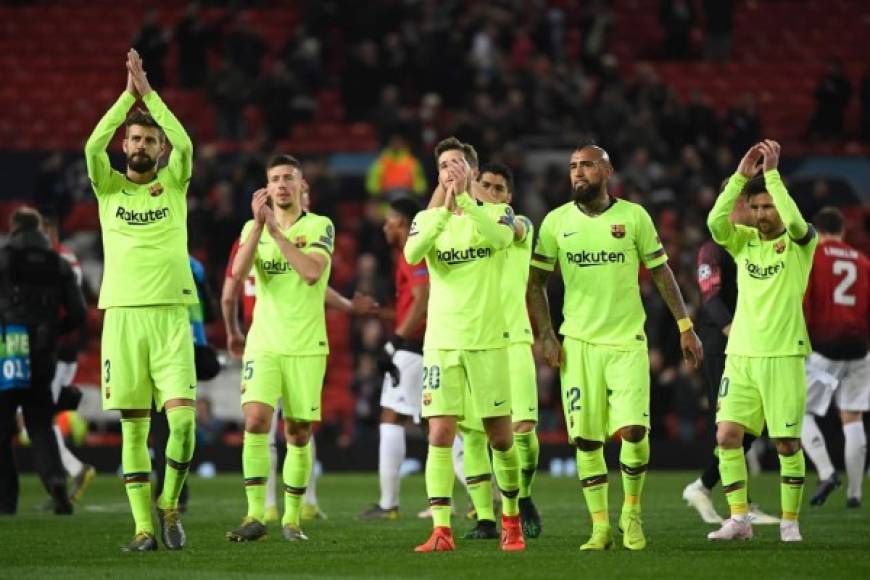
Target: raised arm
[[181, 158], [798, 229], [96, 158], [719, 221], [427, 225], [499, 233], [309, 265]]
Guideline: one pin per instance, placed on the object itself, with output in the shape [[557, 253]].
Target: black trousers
[[38, 407]]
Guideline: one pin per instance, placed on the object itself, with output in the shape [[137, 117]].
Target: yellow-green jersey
[[289, 316], [772, 275], [515, 280], [144, 226], [600, 257], [465, 257]]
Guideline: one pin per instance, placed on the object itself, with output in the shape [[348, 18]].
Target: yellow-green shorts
[[466, 383], [147, 354], [524, 382], [295, 379], [603, 389], [758, 389]]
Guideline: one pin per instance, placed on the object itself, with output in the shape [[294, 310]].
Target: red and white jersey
[[837, 301], [407, 277], [73, 260], [249, 295]]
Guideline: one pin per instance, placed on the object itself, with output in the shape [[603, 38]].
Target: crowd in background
[[510, 82]]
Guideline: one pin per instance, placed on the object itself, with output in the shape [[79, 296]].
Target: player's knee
[[501, 441], [586, 444], [524, 427], [787, 446], [257, 424], [297, 433], [632, 433], [441, 435]]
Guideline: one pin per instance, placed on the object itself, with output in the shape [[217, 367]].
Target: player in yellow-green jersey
[[599, 243], [764, 380], [465, 360], [495, 184], [290, 251], [147, 350]]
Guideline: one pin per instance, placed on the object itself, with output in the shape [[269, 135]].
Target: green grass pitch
[[35, 544]]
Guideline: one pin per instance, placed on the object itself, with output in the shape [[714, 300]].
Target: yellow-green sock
[[792, 469], [439, 483], [592, 472], [529, 450], [478, 473], [255, 467], [506, 465], [297, 471], [633, 461], [179, 452], [732, 468], [136, 464]]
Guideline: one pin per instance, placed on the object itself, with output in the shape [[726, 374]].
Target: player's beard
[[141, 162], [585, 193]]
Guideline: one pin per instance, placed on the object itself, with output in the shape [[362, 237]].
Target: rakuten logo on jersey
[[454, 256], [764, 272], [141, 218], [585, 259], [274, 267]]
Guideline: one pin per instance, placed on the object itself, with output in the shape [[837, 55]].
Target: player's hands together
[[770, 151], [551, 348], [748, 166], [364, 305], [131, 86], [236, 344], [690, 344], [386, 365], [137, 72], [259, 203]]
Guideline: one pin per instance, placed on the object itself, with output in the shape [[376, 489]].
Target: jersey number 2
[[841, 292]]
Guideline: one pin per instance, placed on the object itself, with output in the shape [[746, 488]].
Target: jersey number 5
[[850, 274]]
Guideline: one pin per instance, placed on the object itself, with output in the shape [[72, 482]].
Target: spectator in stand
[[718, 26], [152, 42], [396, 172], [244, 47], [230, 92], [743, 124], [191, 33], [677, 18], [832, 99], [275, 93]]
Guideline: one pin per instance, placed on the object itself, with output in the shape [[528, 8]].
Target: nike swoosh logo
[[125, 192], [498, 403], [192, 386], [751, 245], [314, 409], [531, 409], [568, 234], [646, 414], [790, 425]]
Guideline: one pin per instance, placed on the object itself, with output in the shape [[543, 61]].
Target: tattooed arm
[[670, 293], [539, 308]]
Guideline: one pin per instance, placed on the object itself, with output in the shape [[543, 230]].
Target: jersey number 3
[[850, 274]]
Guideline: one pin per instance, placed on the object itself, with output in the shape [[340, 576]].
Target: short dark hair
[[829, 220], [754, 186], [144, 119], [282, 159], [589, 143], [406, 207], [25, 218], [468, 151], [500, 169]]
